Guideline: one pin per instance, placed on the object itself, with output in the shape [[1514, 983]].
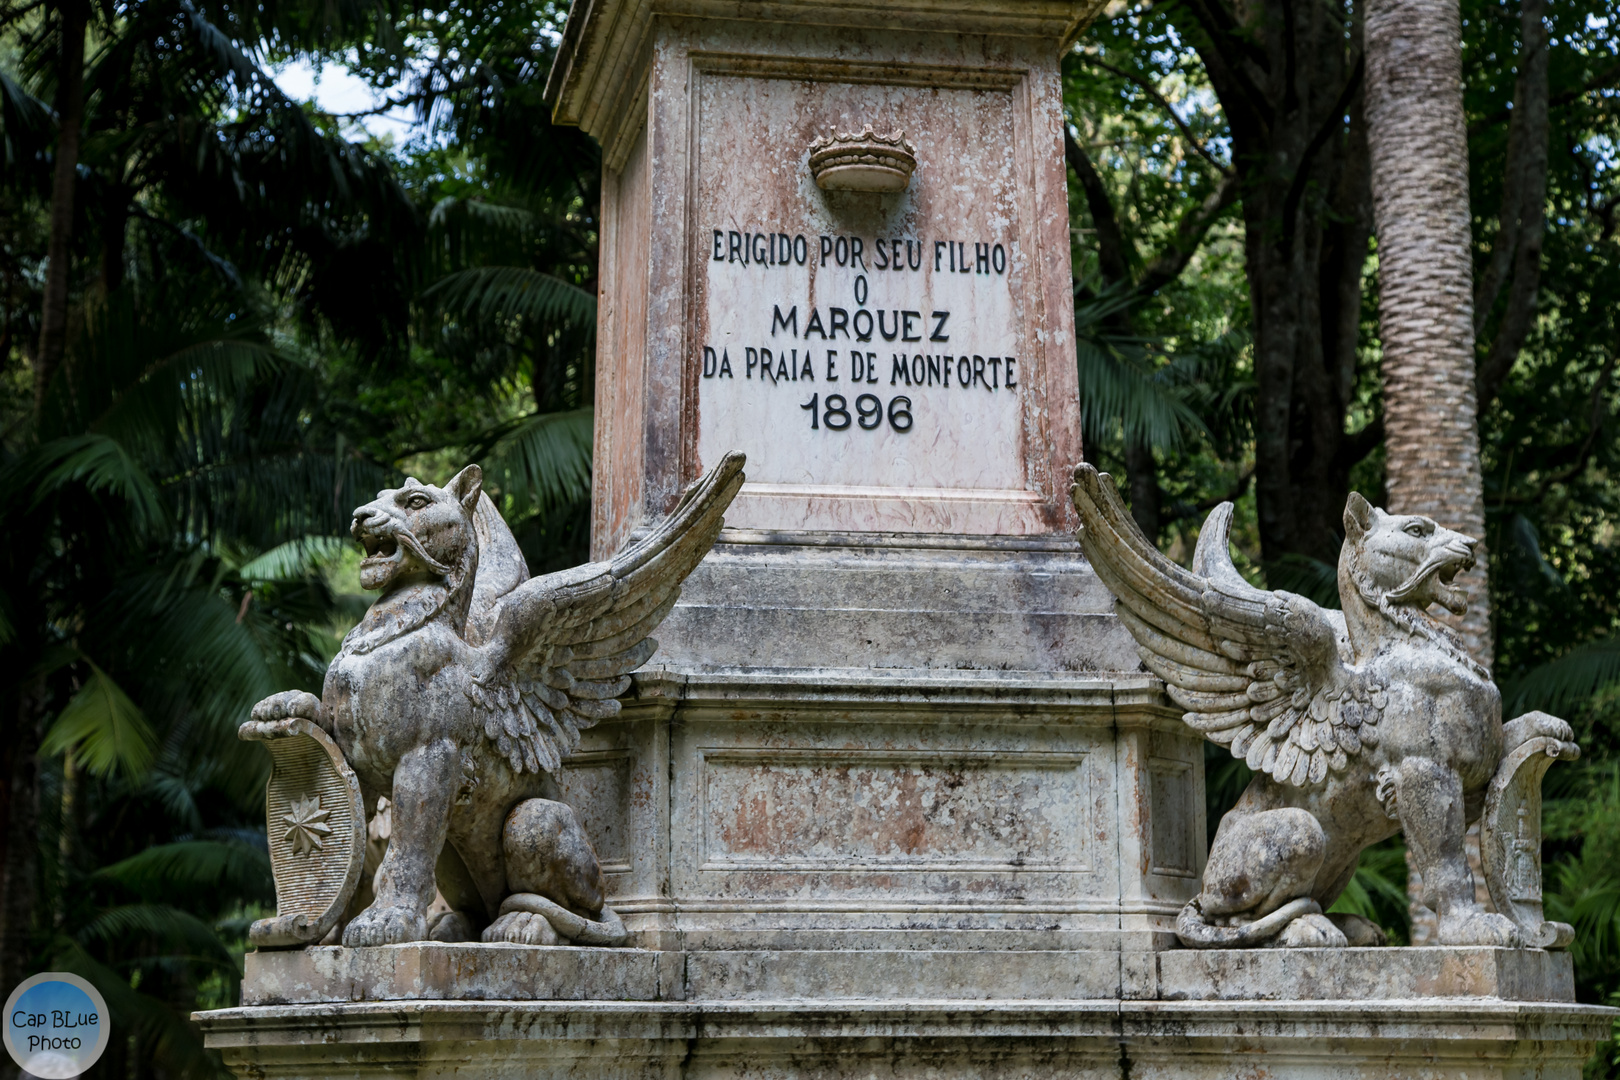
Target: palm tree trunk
[[1419, 151], [59, 259]]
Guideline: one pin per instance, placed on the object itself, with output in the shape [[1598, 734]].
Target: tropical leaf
[[1377, 890], [294, 559], [1314, 579], [184, 639], [452, 212], [544, 459], [488, 292], [191, 868], [1567, 683], [171, 1039], [1124, 387], [168, 927], [106, 731], [100, 465], [26, 124]]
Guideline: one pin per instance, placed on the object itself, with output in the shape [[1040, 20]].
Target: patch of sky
[[1603, 152], [335, 90]]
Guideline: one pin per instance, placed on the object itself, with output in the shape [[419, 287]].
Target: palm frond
[[1118, 386], [488, 292], [25, 122], [544, 460], [105, 729], [294, 559], [186, 640], [101, 465], [451, 212], [1567, 683], [173, 1040], [189, 868], [168, 927], [1314, 579]]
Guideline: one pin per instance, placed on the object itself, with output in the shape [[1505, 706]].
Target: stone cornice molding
[[598, 79]]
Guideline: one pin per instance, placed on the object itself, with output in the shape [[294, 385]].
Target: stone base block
[[1434, 1039], [1363, 974], [431, 971]]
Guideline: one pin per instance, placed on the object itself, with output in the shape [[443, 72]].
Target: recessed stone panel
[[892, 811], [873, 353]]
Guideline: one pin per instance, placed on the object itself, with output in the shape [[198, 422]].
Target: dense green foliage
[[268, 320], [1142, 105], [271, 314]]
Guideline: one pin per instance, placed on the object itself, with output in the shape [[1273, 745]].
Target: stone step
[[434, 971]]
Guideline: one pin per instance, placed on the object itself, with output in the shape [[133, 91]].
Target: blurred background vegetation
[[263, 312]]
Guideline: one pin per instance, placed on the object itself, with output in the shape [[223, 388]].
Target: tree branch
[[1111, 252], [1190, 232], [1245, 104], [1163, 103], [1330, 122], [1353, 448], [1584, 453], [1605, 79]]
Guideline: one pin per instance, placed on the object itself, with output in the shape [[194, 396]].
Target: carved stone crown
[[864, 162]]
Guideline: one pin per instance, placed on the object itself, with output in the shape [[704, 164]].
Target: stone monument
[[896, 795]]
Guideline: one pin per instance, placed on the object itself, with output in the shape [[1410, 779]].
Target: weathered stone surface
[[1426, 1039], [1019, 604], [707, 121], [1362, 974], [461, 690], [765, 804], [887, 966], [437, 971], [1359, 724]]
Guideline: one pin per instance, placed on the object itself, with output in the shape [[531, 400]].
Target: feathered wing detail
[[1258, 672], [561, 647]]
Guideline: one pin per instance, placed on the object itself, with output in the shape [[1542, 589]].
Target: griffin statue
[[1357, 723], [457, 697]]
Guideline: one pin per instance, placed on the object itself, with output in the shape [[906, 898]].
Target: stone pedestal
[[895, 796], [497, 1011]]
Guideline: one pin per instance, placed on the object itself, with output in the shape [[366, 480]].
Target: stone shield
[[1510, 840], [317, 834]]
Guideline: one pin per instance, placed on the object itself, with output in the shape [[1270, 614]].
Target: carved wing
[[1259, 672], [561, 647]]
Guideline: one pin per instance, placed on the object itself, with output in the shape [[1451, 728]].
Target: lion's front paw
[[1522, 729], [384, 926], [288, 703], [521, 928], [1478, 928]]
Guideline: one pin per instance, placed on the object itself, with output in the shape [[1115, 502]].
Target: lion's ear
[[466, 486], [1358, 515]]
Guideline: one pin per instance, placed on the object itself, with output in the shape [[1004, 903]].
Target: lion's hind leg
[[1257, 885], [550, 865]]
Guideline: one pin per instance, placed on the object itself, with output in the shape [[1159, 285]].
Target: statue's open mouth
[[381, 549], [1442, 567]]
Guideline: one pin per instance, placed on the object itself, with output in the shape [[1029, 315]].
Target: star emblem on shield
[[306, 825]]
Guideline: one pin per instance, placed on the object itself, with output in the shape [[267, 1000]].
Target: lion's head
[[417, 531], [422, 552], [1404, 560]]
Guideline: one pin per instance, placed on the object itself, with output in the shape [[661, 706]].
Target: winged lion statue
[[457, 697], [1357, 723]]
